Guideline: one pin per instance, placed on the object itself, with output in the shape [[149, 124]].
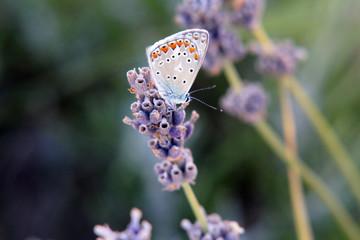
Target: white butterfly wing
[[175, 62]]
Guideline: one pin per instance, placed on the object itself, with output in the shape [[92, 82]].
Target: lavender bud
[[177, 131], [169, 115], [164, 179], [153, 143], [155, 116], [148, 130], [132, 76], [174, 152], [135, 107], [179, 141], [145, 71], [189, 130], [164, 142], [142, 117], [132, 122], [136, 216], [140, 85], [160, 106], [176, 175], [158, 169], [147, 106], [190, 171], [153, 93], [166, 165], [164, 127], [160, 153], [178, 116]]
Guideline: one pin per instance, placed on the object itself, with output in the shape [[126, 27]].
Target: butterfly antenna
[[215, 108], [202, 89]]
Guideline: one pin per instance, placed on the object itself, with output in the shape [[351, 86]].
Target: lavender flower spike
[[136, 230], [166, 128]]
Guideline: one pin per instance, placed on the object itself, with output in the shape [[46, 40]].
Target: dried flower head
[[218, 229], [283, 60], [208, 14], [247, 13], [165, 126], [248, 103], [136, 230]]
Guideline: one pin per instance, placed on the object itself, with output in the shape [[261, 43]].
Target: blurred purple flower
[[217, 229], [208, 14], [283, 60], [247, 13], [136, 230], [249, 103]]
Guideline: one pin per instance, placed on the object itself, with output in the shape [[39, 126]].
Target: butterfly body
[[175, 62]]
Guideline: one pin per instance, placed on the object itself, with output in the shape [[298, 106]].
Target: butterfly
[[175, 61]]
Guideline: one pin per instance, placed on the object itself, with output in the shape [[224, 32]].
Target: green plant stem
[[195, 206], [343, 218], [341, 157], [301, 219], [326, 133], [232, 75], [294, 162]]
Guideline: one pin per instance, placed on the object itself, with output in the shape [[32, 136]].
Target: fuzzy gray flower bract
[[165, 125]]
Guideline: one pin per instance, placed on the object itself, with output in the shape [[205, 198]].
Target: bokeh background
[[67, 162]]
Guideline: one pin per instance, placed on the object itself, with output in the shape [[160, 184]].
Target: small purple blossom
[[136, 230], [283, 60], [248, 103], [247, 13], [155, 118], [218, 229], [208, 14]]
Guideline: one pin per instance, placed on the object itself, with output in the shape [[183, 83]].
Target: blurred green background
[[67, 162]]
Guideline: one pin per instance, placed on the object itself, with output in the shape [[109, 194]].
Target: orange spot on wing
[[154, 55], [172, 45], [202, 40], [186, 44], [196, 56], [152, 59], [179, 43], [164, 49], [192, 49], [196, 37], [159, 53]]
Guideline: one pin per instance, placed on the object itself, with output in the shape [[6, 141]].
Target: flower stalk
[[328, 136], [195, 206], [301, 218]]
